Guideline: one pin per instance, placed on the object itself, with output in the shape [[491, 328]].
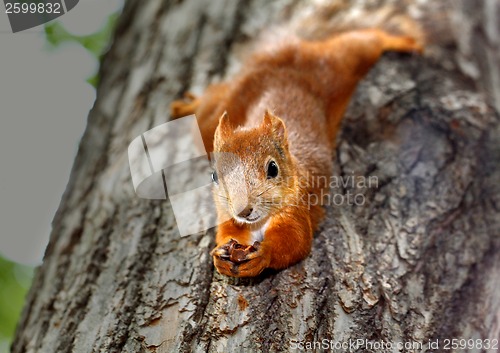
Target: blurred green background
[[15, 278]]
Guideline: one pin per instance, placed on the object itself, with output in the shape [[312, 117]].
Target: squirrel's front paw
[[222, 258], [237, 260], [252, 260]]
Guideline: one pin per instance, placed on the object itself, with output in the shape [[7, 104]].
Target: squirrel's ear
[[224, 128], [275, 125]]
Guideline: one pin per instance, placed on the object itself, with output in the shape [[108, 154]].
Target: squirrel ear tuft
[[275, 125], [224, 128]]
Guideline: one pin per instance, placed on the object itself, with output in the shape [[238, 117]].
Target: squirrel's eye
[[272, 170], [215, 178]]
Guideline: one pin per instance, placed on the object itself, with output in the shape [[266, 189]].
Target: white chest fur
[[258, 234]]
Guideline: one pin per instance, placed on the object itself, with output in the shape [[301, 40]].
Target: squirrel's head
[[254, 173]]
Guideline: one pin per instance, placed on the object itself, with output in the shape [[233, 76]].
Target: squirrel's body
[[273, 130]]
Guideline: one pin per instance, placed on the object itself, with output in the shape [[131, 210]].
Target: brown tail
[[326, 19], [351, 55]]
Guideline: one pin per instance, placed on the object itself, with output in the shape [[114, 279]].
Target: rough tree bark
[[418, 261]]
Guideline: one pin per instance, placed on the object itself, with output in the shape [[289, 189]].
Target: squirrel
[[279, 118]]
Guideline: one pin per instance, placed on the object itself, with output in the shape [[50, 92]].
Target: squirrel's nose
[[246, 212]]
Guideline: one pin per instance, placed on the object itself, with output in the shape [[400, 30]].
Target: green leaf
[[96, 43], [15, 280]]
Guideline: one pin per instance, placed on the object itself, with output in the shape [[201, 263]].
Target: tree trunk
[[416, 261]]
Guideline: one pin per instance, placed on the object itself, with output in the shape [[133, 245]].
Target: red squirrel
[[280, 116]]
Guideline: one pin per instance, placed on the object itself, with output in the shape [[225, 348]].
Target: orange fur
[[307, 87]]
